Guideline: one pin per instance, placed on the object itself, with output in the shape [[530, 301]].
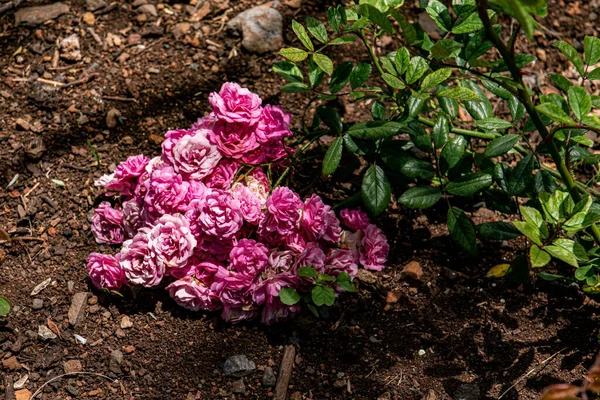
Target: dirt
[[450, 334]]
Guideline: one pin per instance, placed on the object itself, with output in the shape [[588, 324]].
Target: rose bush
[[203, 221]]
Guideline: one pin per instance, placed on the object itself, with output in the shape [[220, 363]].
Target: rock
[[77, 309], [39, 15], [70, 49], [22, 124], [293, 3], [156, 139], [112, 118], [296, 396], [238, 386], [148, 9], [181, 29], [23, 394], [120, 333], [72, 366], [43, 285], [116, 359], [137, 3], [45, 333], [37, 304], [261, 29], [268, 378], [126, 322], [89, 18], [366, 276], [11, 364], [393, 297], [34, 148], [339, 384], [467, 391], [129, 349], [238, 366], [201, 13], [93, 5], [412, 270], [431, 395], [385, 396]]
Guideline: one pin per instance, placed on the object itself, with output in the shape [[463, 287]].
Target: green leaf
[[376, 129], [555, 113], [416, 68], [529, 230], [497, 231], [454, 150], [375, 16], [315, 74], [435, 78], [583, 140], [521, 176], [325, 278], [573, 247], [591, 50], [416, 169], [561, 82], [4, 306], [343, 40], [493, 123], [459, 93], [562, 254], [302, 35], [445, 48], [322, 295], [502, 175], [360, 74], [420, 197], [440, 131], [480, 109], [461, 230], [439, 13], [336, 16], [340, 77], [419, 137], [550, 277], [393, 81], [415, 106], [518, 273], [501, 145], [376, 190], [571, 54], [580, 101], [307, 272], [295, 87], [521, 11], [401, 60], [332, 157], [323, 62], [288, 70], [293, 54], [331, 118], [471, 24], [581, 274], [289, 296], [449, 105], [470, 184], [594, 75], [348, 286], [544, 182], [516, 108], [317, 29], [387, 64], [378, 111]]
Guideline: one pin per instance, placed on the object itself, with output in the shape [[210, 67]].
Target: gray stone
[[45, 333], [238, 366], [70, 49], [72, 366], [116, 359], [39, 15], [37, 304], [261, 29], [467, 391], [268, 378], [238, 386], [77, 309], [93, 5], [148, 9]]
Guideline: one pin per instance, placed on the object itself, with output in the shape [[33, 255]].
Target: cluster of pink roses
[[202, 218]]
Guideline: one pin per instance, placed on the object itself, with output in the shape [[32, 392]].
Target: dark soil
[[452, 332]]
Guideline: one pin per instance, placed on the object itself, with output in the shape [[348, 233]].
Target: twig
[[97, 38], [9, 5], [285, 371], [119, 98], [29, 239], [70, 373], [76, 167], [49, 82], [86, 78]]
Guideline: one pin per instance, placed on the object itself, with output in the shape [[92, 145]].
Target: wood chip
[[285, 372]]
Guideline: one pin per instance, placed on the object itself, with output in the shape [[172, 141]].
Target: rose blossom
[[206, 122], [354, 219], [340, 260], [171, 139], [267, 295], [281, 261], [107, 224], [273, 124], [312, 256], [138, 263], [222, 176], [254, 157], [192, 294], [233, 140], [314, 218], [171, 242], [194, 156], [132, 217], [250, 203], [234, 104], [124, 180], [217, 213], [249, 257], [333, 231], [166, 191], [105, 271], [214, 247], [375, 248], [235, 291], [283, 212]]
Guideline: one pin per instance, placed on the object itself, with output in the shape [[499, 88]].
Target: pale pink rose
[[105, 271], [340, 260], [124, 180], [354, 219], [138, 263], [171, 139], [194, 156], [352, 241], [192, 294], [375, 248], [222, 176], [282, 216], [166, 192], [107, 224], [249, 257], [281, 261], [171, 242], [233, 140], [250, 204], [333, 231], [234, 104], [295, 241], [206, 122], [273, 124], [132, 217], [217, 213], [314, 218]]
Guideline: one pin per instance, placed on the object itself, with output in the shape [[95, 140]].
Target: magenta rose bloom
[[249, 257], [217, 213], [254, 157], [233, 140], [234, 104], [354, 219], [340, 260], [194, 156], [105, 271], [138, 263], [273, 125], [282, 216], [280, 261], [250, 204], [222, 176], [124, 180], [276, 150], [206, 122], [375, 248], [235, 291], [192, 294], [171, 242], [215, 248], [267, 295], [171, 139], [132, 217], [312, 256], [107, 224], [314, 218], [333, 231], [167, 192]]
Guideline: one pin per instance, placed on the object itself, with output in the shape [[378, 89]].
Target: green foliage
[[4, 306]]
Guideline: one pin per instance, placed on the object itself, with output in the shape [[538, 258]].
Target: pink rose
[[190, 293], [354, 219], [194, 156], [222, 176], [171, 242], [124, 180], [138, 263], [314, 218], [249, 257], [107, 224], [233, 140], [276, 150], [340, 260], [312, 256], [171, 139], [234, 104], [213, 247], [280, 261], [273, 124], [254, 157], [295, 241], [105, 271], [206, 122], [333, 231], [250, 203], [217, 213], [282, 216], [235, 291], [375, 248], [167, 191], [132, 217], [267, 295]]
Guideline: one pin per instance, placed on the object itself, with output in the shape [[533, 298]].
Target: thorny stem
[[515, 72]]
